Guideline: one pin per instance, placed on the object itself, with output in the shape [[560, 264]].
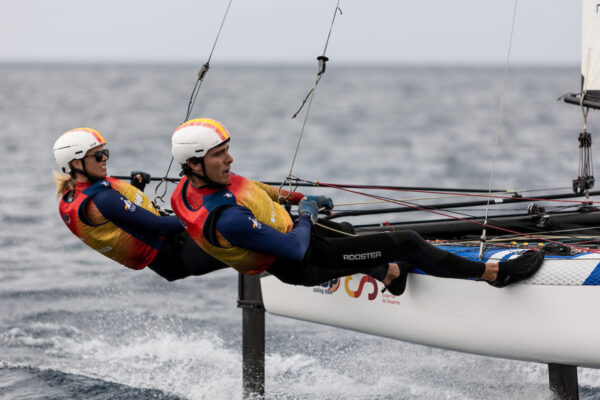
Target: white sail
[[590, 51]]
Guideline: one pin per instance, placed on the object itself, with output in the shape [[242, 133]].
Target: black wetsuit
[[180, 257], [332, 255]]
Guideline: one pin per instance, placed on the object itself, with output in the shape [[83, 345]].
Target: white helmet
[[195, 137], [73, 144]]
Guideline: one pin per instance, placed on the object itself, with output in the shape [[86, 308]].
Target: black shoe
[[519, 268], [398, 285]]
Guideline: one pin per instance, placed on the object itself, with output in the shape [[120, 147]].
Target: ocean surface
[[75, 325]]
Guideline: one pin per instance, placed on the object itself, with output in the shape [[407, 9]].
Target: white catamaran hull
[[551, 318]]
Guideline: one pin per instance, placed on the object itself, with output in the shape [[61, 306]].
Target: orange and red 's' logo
[[363, 281]]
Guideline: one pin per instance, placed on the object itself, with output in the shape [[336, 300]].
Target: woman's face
[[95, 162]]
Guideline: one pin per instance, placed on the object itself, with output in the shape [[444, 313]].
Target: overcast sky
[[290, 31]]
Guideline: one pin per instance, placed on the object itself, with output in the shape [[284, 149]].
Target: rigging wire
[[539, 232], [585, 173], [322, 66], [541, 235], [205, 67], [451, 192], [551, 210], [420, 208], [449, 210], [498, 126], [317, 184], [500, 198], [361, 203], [201, 74]]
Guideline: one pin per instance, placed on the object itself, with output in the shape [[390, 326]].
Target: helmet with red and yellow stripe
[[195, 137], [73, 144]]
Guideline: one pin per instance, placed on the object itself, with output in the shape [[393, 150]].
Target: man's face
[[217, 163]]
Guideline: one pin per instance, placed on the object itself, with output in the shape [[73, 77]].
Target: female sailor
[[117, 219]]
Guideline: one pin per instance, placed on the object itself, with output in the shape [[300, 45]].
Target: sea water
[[75, 325]]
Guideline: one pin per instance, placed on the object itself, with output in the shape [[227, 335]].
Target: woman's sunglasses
[[98, 155]]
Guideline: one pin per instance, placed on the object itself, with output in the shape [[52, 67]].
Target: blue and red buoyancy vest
[[200, 221], [107, 238]]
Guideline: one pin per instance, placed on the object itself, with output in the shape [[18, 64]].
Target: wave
[[29, 383]]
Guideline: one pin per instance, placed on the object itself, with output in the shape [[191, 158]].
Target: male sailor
[[242, 223]]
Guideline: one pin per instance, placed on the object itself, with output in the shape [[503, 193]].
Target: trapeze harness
[[230, 224], [133, 233]]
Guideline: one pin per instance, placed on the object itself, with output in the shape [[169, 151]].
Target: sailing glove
[[310, 208], [322, 201], [140, 181]]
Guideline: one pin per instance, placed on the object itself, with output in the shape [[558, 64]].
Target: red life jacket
[[200, 222], [107, 238]]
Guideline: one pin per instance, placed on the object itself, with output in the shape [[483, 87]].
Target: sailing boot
[[519, 268]]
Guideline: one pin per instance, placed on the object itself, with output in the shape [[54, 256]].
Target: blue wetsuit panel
[[138, 222], [238, 225]]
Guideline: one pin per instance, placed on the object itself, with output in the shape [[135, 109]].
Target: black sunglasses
[[98, 155]]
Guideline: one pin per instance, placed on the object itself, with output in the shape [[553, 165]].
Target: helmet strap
[[83, 172], [206, 179]]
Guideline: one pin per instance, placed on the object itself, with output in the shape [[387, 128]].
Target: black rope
[[585, 178]]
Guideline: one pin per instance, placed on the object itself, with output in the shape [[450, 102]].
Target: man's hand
[[139, 179], [322, 201], [310, 208]]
